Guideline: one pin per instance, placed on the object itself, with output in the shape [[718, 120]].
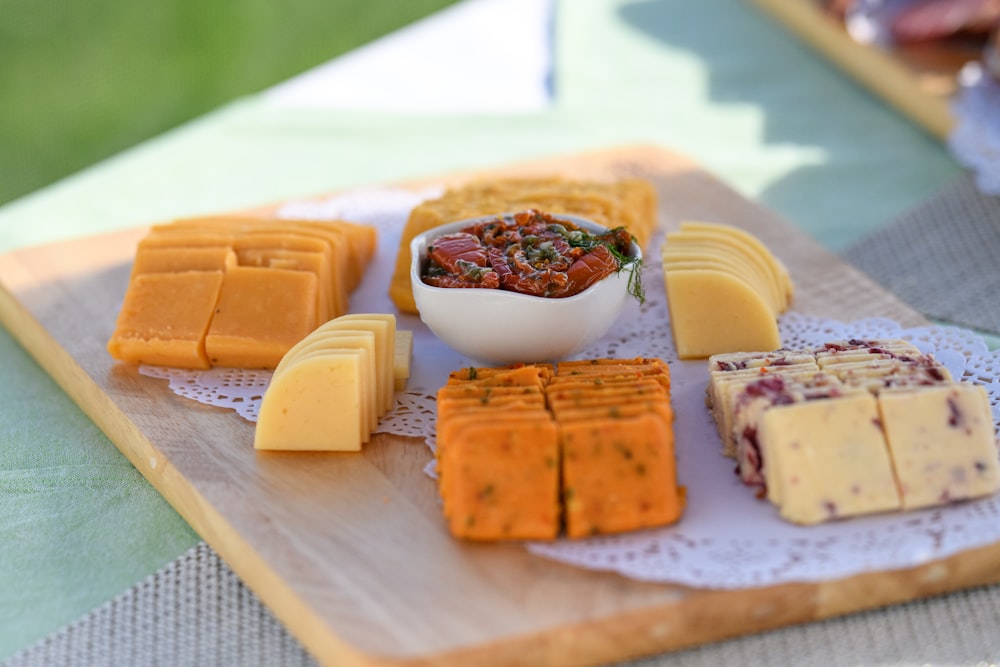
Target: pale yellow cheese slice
[[777, 266], [675, 251], [764, 264], [713, 312], [402, 358], [942, 442], [827, 459], [315, 404], [383, 326], [321, 342]]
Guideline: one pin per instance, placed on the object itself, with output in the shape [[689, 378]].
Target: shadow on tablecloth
[[942, 257]]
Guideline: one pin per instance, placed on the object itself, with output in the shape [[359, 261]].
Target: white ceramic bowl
[[496, 327]]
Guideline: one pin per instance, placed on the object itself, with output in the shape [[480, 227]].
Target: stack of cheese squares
[[725, 290], [854, 427], [629, 203], [331, 388], [585, 448], [236, 291]]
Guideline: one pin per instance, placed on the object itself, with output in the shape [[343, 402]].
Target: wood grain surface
[[918, 80], [350, 551]]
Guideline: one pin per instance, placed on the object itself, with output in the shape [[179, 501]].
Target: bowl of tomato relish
[[525, 287]]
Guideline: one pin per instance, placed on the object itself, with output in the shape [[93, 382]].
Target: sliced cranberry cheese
[[853, 427]]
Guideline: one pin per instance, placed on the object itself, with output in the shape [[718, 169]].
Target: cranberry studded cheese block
[[532, 451], [725, 290], [854, 427], [629, 203], [330, 390], [236, 291]]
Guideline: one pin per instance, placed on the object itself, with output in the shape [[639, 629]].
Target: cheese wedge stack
[[527, 452], [853, 427], [236, 291], [630, 203], [330, 390], [725, 290]]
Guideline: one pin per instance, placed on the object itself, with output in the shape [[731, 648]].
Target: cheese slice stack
[[585, 447], [236, 291], [330, 390], [853, 427], [725, 290]]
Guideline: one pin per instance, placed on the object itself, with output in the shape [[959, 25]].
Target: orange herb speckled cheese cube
[[500, 477], [613, 443], [164, 318], [618, 474]]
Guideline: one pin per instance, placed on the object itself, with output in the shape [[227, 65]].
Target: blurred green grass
[[83, 80]]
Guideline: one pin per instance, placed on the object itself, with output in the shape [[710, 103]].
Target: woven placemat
[[942, 257], [196, 611]]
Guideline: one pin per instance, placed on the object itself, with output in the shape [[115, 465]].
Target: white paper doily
[[975, 140], [727, 538]]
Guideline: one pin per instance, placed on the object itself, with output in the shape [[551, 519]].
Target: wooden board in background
[[917, 80], [350, 551]]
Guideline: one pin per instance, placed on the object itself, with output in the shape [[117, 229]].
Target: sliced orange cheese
[[261, 314], [164, 319]]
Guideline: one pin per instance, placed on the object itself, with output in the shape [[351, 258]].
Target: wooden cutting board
[[918, 80], [350, 551]]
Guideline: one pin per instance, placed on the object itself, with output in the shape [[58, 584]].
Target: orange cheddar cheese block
[[164, 319], [261, 313], [173, 260], [264, 309]]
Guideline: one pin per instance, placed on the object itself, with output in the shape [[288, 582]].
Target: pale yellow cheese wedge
[[320, 342], [764, 263], [713, 312], [383, 326], [726, 266], [751, 242], [942, 442], [680, 248], [315, 404], [827, 459]]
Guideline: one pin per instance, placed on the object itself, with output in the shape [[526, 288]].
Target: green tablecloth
[[712, 79]]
